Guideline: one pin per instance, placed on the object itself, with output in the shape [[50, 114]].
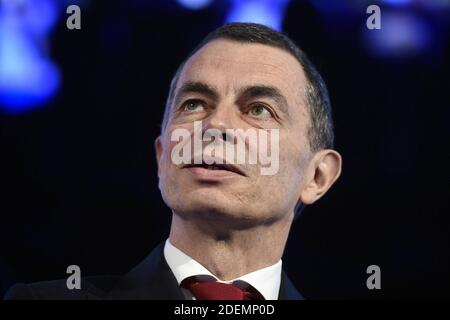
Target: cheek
[[166, 170], [293, 156], [166, 155], [291, 145]]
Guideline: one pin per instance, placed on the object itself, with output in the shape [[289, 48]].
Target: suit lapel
[[287, 289], [152, 279]]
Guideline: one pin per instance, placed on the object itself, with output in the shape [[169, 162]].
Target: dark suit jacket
[[152, 279]]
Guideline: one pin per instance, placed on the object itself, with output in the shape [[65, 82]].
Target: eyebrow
[[196, 87], [252, 91], [266, 91]]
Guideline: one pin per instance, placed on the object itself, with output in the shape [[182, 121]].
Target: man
[[230, 221]]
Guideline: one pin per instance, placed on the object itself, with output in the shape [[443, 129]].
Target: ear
[[159, 150], [323, 171]]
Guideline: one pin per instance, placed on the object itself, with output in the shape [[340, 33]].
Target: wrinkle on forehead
[[229, 65], [244, 61]]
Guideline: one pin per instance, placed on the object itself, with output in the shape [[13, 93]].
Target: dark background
[[78, 175]]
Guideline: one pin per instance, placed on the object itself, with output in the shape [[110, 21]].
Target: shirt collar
[[266, 281]]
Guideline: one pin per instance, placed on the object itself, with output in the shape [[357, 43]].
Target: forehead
[[229, 65]]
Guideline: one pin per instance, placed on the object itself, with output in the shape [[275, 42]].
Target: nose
[[222, 118]]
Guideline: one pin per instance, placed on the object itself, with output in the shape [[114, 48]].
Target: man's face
[[225, 86]]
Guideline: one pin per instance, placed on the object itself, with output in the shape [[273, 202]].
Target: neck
[[230, 253]]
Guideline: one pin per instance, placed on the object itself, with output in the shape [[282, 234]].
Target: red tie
[[208, 288]]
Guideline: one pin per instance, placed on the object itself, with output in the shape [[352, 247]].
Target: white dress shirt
[[266, 281]]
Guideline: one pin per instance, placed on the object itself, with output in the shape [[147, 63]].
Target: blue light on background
[[398, 2], [28, 78], [428, 4], [266, 12], [194, 4], [402, 34]]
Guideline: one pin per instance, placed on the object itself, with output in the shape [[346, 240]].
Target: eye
[[191, 106], [260, 111]]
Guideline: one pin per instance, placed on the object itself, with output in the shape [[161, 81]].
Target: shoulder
[[150, 279], [91, 288]]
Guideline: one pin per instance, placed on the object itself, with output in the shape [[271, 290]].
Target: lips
[[215, 169]]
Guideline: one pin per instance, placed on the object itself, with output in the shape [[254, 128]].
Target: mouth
[[214, 170]]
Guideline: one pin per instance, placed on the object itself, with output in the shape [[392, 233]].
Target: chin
[[210, 205], [217, 213]]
